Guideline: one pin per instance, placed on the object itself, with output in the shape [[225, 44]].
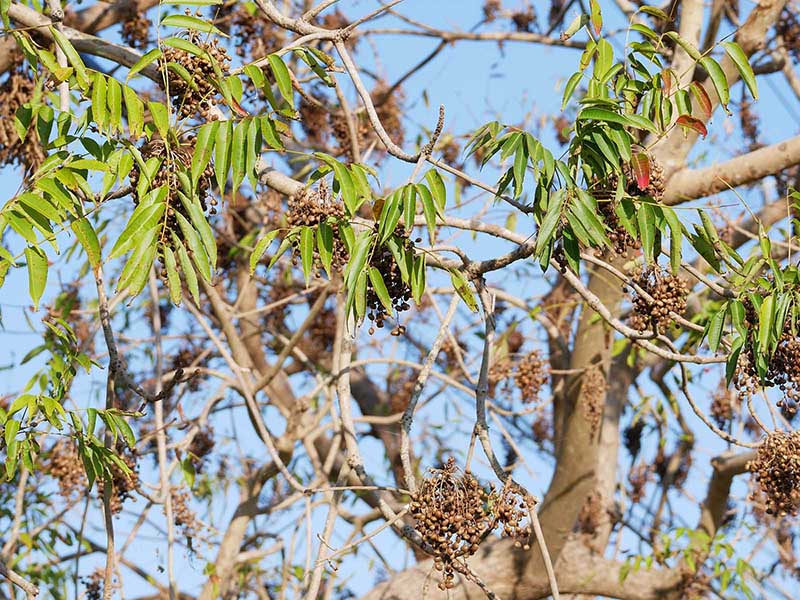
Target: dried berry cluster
[[542, 429], [531, 375], [788, 27], [64, 464], [122, 484], [252, 35], [318, 344], [182, 515], [15, 91], [310, 209], [783, 370], [454, 513], [723, 403], [777, 470], [399, 387], [638, 477], [667, 295], [591, 514], [593, 393], [93, 584], [633, 437], [136, 27], [199, 95], [201, 446], [621, 239], [399, 291], [655, 185], [524, 20], [491, 9]]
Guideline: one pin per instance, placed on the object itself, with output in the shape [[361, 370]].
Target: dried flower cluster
[[723, 403], [399, 291], [311, 209], [783, 370], [198, 95], [64, 464], [136, 27], [454, 513], [15, 91], [122, 484], [667, 295], [532, 373], [776, 468], [593, 393], [183, 517]]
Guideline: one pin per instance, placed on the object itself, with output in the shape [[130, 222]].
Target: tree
[[302, 367]]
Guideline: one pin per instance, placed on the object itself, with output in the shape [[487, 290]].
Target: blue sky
[[477, 82]]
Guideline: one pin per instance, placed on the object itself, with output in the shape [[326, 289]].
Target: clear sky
[[477, 82]]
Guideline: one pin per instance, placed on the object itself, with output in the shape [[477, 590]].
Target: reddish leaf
[[666, 79], [703, 100], [692, 123], [596, 16], [640, 163]]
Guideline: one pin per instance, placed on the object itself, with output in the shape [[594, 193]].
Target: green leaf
[[378, 285], [428, 209], [144, 62], [238, 157], [160, 117], [438, 191], [569, 88], [687, 46], [73, 57], [188, 22], [282, 77], [144, 218], [766, 317], [602, 114], [88, 238], [325, 245], [187, 468], [307, 251], [37, 273], [551, 220], [135, 109], [99, 108], [173, 279], [189, 275], [739, 59], [114, 100], [715, 328], [260, 248], [462, 287], [718, 78], [203, 148], [646, 219], [595, 16], [222, 153]]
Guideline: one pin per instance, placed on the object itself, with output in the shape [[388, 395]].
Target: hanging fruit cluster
[[311, 209], [454, 513], [783, 369], [776, 468], [399, 291], [668, 295], [15, 91], [191, 85], [531, 375]]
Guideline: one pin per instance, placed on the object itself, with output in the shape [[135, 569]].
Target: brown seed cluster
[[783, 370], [172, 161], [318, 343], [633, 437], [183, 517], [542, 429], [93, 585], [788, 27], [776, 468], [531, 375], [136, 27], [15, 91], [252, 35], [654, 188], [723, 404], [122, 485], [591, 514], [638, 477], [399, 291], [200, 95], [454, 513], [667, 295], [311, 209], [593, 393], [524, 20], [201, 446], [64, 464], [491, 9], [621, 240]]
